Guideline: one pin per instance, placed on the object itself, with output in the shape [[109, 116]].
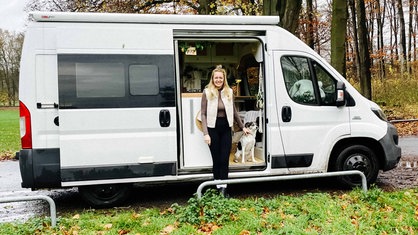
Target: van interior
[[243, 61]]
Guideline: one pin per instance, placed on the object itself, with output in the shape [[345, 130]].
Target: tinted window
[[326, 84], [298, 79], [143, 79], [99, 80], [115, 81], [307, 82]]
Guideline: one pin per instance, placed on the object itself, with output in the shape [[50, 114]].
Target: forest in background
[[363, 39]]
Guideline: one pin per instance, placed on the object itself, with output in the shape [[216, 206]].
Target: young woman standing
[[218, 115]]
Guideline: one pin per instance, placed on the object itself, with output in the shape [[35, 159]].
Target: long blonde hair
[[213, 91]]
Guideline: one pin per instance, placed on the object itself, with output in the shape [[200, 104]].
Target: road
[[68, 200], [409, 146]]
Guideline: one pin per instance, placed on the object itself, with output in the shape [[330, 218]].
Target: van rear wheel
[[357, 157], [106, 195]]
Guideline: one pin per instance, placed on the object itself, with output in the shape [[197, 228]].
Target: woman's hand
[[207, 139], [246, 131]]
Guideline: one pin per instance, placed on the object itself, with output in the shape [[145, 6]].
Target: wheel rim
[[105, 192], [358, 162]]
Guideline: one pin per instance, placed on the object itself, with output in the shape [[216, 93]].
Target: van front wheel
[[357, 157], [106, 195]]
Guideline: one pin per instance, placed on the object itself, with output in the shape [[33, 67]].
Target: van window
[[115, 81], [298, 79], [99, 80], [307, 82], [326, 83], [143, 79]]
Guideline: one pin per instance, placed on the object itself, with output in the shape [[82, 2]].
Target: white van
[[108, 100]]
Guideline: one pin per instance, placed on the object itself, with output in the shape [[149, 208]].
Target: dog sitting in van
[[246, 143]]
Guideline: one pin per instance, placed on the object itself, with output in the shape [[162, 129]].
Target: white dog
[[247, 143]]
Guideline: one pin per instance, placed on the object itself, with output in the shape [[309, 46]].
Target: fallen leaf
[[107, 226], [77, 216], [168, 229], [244, 232], [123, 231]]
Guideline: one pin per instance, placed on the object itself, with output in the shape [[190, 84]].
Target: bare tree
[[402, 36], [380, 20], [364, 55], [338, 35], [310, 23], [10, 51]]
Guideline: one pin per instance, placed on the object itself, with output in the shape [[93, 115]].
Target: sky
[[12, 16]]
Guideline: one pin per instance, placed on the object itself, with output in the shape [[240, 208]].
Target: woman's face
[[218, 80]]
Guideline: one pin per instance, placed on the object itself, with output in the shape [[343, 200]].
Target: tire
[[357, 157], [106, 195]]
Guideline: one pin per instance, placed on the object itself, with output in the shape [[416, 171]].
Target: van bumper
[[40, 168], [391, 148]]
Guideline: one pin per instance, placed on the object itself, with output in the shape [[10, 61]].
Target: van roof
[[153, 18]]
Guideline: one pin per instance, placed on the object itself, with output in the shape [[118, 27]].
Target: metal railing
[[53, 211], [283, 177]]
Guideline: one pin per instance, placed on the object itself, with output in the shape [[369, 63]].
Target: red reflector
[[25, 126], [45, 17]]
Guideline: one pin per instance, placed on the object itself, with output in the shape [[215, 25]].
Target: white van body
[[108, 100]]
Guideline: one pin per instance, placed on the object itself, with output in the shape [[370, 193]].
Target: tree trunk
[[289, 12], [364, 55], [356, 56], [270, 8], [338, 35], [380, 16], [410, 35], [403, 56], [310, 28]]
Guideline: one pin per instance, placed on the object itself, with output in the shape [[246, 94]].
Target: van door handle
[[165, 118], [286, 114]]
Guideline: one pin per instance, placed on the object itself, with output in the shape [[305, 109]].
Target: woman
[[218, 114]]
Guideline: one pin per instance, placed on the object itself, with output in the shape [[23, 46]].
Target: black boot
[[223, 192]]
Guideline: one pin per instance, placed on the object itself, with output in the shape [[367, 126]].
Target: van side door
[[117, 117], [310, 121]]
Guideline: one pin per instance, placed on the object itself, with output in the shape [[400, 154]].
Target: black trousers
[[220, 147]]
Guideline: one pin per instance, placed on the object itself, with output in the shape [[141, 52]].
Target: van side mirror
[[340, 100]]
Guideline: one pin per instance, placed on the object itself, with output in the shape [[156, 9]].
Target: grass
[[9, 129], [376, 212], [397, 97]]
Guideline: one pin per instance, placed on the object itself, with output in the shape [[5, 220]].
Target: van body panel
[[84, 36]]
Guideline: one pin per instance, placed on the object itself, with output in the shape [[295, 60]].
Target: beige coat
[[212, 108]]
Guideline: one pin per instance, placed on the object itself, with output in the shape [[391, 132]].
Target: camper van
[[112, 100]]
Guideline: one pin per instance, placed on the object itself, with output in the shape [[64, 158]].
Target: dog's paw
[[236, 160]]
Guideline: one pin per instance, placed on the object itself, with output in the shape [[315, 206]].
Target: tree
[[289, 12], [10, 51], [402, 35], [364, 54], [380, 20], [310, 21], [338, 35]]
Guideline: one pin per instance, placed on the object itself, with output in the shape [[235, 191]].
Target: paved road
[[10, 186], [409, 146]]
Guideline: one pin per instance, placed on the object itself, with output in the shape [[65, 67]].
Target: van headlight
[[380, 114]]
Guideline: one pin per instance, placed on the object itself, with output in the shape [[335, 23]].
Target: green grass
[[397, 97], [9, 129], [376, 212]]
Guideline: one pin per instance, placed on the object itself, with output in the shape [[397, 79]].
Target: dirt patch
[[404, 176]]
